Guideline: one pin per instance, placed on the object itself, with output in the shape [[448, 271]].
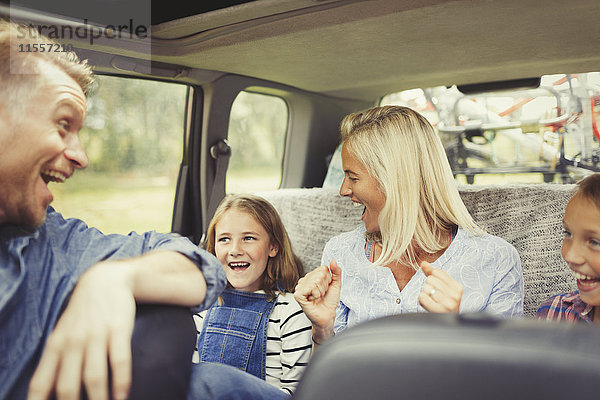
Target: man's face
[[40, 146]]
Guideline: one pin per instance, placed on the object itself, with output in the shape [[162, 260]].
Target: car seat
[[447, 356]]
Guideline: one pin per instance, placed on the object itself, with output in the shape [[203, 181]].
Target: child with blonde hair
[[257, 325], [581, 251]]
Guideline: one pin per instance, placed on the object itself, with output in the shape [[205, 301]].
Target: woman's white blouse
[[488, 268]]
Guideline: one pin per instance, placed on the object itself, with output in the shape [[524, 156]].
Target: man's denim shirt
[[39, 270]]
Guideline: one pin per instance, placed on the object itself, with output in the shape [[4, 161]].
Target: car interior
[[511, 86]]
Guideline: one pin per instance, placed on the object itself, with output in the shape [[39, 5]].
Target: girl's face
[[581, 246], [243, 247], [363, 189]]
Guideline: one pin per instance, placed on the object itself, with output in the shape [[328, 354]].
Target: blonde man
[[418, 249], [68, 293]]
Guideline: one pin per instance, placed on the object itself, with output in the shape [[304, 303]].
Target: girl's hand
[[441, 293], [318, 293]]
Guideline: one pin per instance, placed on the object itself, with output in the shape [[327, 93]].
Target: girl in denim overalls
[[257, 325]]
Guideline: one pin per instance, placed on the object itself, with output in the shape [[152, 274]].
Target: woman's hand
[[441, 293], [318, 293]]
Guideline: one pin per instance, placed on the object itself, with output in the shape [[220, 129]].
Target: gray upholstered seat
[[445, 356], [527, 216]]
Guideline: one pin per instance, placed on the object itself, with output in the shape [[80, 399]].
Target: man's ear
[[273, 250]]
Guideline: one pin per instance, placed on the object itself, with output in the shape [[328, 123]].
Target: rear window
[[257, 131], [546, 134]]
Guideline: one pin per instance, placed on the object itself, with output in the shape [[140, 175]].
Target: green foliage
[[257, 129], [134, 124], [133, 137]]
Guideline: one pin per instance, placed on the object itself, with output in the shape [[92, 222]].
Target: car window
[[546, 134], [257, 131], [133, 136]]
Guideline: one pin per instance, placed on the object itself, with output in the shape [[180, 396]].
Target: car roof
[[364, 49]]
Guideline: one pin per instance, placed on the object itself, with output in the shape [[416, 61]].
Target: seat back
[[435, 356]]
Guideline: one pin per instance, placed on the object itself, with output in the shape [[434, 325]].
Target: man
[[68, 293]]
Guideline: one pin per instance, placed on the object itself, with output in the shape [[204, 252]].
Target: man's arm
[[96, 326], [165, 277]]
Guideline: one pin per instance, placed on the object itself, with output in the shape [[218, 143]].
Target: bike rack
[[560, 164]]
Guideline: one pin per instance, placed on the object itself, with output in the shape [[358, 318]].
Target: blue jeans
[[222, 382]]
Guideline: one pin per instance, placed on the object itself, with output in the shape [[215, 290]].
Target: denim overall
[[235, 333]]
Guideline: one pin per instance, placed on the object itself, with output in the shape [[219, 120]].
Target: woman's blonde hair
[[401, 150], [285, 268]]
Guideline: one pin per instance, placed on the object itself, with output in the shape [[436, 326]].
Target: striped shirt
[[566, 307], [289, 342]]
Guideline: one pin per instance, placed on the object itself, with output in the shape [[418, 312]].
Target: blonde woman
[[418, 249]]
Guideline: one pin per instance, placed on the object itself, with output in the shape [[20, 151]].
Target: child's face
[[243, 247], [581, 246]]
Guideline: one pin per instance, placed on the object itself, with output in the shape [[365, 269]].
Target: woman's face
[[362, 189]]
